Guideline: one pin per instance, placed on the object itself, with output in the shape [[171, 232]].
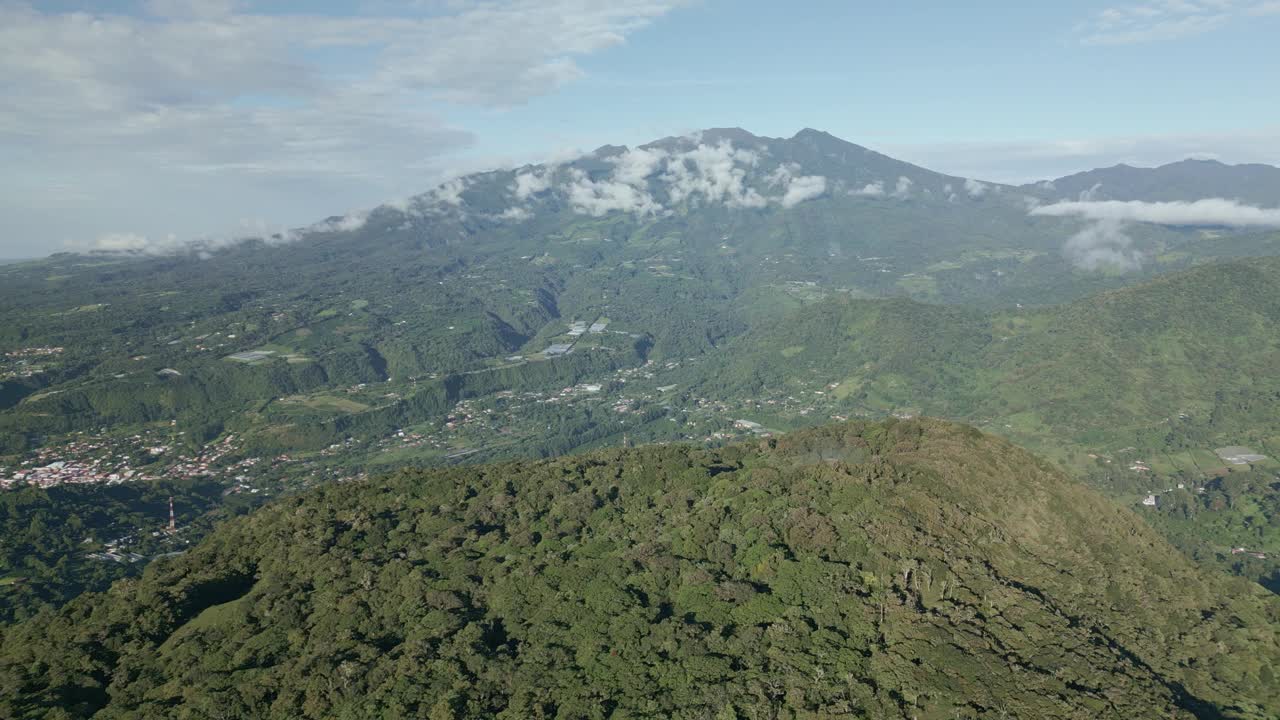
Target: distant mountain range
[[1187, 180]]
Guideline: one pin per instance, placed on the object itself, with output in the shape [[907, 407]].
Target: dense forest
[[898, 569]]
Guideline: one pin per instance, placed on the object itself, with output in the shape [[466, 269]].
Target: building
[[1149, 501]]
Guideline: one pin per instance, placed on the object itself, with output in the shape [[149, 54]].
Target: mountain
[[897, 569], [1187, 180], [533, 311], [683, 243], [1137, 365]]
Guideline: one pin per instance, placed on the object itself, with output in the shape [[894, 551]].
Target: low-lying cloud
[[797, 188], [716, 172], [1102, 244], [598, 198], [805, 187], [1208, 212], [873, 189], [975, 188], [643, 181]]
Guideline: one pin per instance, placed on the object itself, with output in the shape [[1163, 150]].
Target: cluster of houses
[[110, 461], [1153, 499], [33, 352], [25, 363], [85, 461], [1250, 553]]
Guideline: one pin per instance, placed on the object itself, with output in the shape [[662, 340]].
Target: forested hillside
[[1190, 356], [698, 289], [897, 569]]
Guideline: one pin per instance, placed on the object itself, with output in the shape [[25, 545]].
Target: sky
[[209, 118]]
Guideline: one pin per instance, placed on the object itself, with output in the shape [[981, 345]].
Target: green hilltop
[[913, 569]]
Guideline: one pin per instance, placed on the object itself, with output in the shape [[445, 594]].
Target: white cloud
[[516, 214], [201, 9], [1103, 243], [874, 189], [975, 188], [634, 167], [531, 183], [450, 192], [120, 243], [903, 189], [251, 104], [805, 187], [796, 188], [1213, 211], [1168, 20], [347, 223], [717, 173], [599, 198], [626, 189], [695, 173]]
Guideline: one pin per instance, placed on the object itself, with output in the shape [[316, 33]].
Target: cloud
[[599, 198], [1104, 242], [347, 223], [450, 192], [1101, 244], [253, 106], [694, 172], [1092, 194], [805, 187], [1211, 212], [120, 243], [531, 183], [796, 188], [1162, 20], [903, 188], [634, 167], [516, 214], [716, 173], [874, 189], [201, 9], [975, 188]]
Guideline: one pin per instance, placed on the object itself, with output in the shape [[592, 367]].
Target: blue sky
[[191, 118]]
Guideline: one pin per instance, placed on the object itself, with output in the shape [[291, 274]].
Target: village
[[149, 455], [27, 362]]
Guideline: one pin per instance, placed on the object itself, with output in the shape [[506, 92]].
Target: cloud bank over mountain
[[1210, 211], [1105, 243]]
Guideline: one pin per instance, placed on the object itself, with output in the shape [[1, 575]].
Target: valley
[[255, 375]]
